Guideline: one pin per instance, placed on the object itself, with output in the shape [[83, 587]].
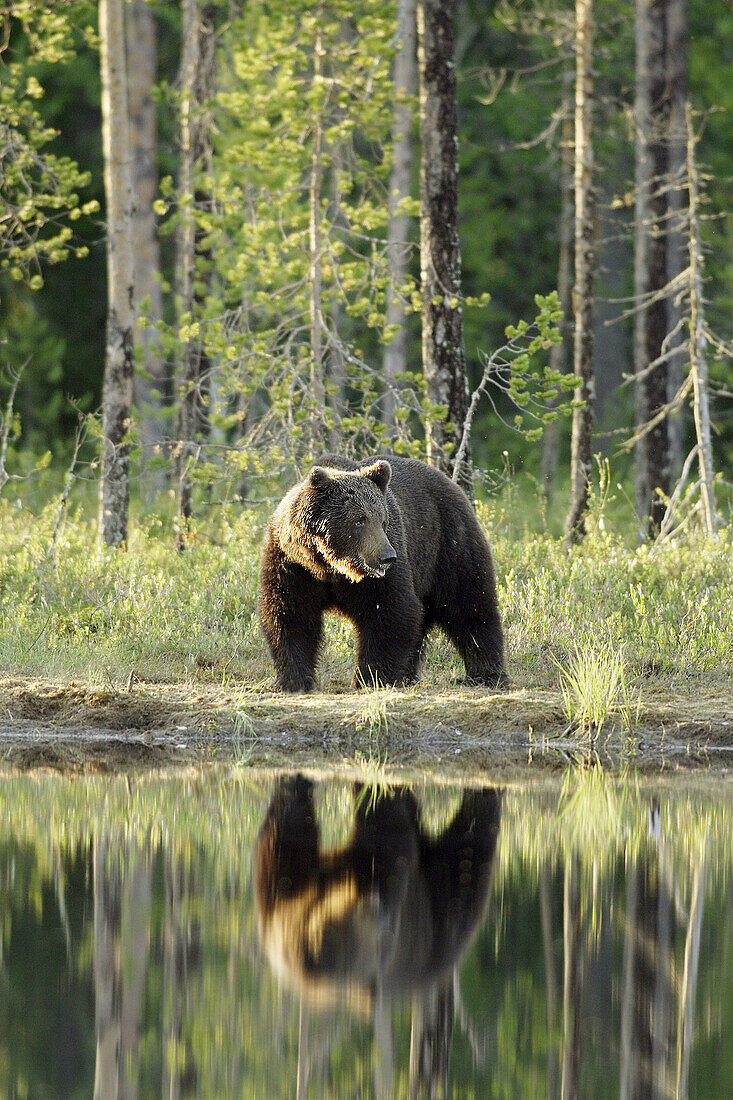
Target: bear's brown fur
[[394, 546]]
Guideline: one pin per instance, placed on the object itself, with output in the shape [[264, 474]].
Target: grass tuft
[[594, 688]]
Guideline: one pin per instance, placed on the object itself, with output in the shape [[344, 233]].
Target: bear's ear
[[318, 477], [379, 472]]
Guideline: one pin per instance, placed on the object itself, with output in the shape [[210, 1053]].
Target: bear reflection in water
[[391, 911]]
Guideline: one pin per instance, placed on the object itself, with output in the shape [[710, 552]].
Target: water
[[229, 933]]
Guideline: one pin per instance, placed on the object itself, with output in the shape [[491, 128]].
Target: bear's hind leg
[[479, 639]]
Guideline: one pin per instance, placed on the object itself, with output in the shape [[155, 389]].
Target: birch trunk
[[186, 259], [677, 82], [114, 495], [317, 381], [642, 172], [585, 262], [197, 76], [444, 362], [148, 384], [559, 353], [405, 80], [698, 359], [650, 260]]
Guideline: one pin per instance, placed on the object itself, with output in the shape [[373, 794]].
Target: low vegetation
[[611, 625]]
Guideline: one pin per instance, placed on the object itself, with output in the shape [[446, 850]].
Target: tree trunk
[[559, 353], [197, 76], [585, 260], [114, 495], [148, 384], [650, 260], [444, 362], [677, 81], [698, 360], [317, 381], [405, 80]]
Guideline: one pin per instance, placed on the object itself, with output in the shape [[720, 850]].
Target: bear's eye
[[360, 521]]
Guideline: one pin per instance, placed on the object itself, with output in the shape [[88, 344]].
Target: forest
[[494, 236], [235, 234]]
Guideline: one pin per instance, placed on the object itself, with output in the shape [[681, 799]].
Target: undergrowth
[[68, 610]]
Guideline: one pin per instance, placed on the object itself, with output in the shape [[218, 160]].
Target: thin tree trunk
[[698, 360], [559, 353], [642, 187], [197, 77], [444, 361], [405, 80], [185, 261], [317, 382], [585, 262], [114, 496], [677, 81], [150, 382], [650, 262]]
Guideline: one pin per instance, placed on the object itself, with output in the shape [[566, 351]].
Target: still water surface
[[228, 933]]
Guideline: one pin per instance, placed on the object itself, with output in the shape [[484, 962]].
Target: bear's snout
[[379, 560], [388, 555]]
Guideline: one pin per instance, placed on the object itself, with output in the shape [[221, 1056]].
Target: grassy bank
[[641, 624], [77, 613]]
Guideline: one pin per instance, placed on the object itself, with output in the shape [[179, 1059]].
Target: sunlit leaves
[[38, 189]]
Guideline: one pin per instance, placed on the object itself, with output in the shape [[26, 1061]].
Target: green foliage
[[39, 189], [293, 248], [520, 370]]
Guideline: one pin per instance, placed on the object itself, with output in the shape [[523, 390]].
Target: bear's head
[[336, 521]]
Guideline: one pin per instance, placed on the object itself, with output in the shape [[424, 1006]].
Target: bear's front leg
[[389, 639], [292, 622]]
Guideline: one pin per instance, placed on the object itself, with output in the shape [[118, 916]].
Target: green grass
[[191, 617], [594, 688]]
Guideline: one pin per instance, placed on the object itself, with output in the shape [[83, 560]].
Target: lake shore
[[78, 726]]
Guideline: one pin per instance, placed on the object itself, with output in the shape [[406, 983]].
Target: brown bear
[[391, 911], [393, 545]]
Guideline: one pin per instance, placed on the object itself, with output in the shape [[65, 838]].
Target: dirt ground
[[80, 727]]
